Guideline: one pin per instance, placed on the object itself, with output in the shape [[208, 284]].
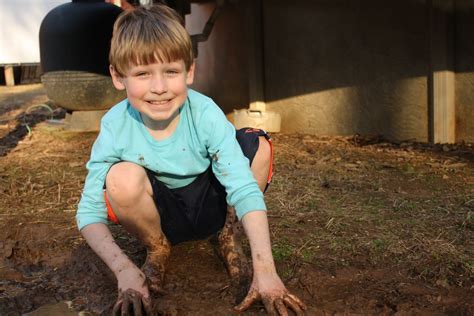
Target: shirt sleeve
[[230, 165], [92, 208]]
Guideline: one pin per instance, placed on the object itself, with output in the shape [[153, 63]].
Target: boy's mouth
[[161, 102]]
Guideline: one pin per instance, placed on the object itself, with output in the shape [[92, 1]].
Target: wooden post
[[9, 76], [442, 76], [255, 54]]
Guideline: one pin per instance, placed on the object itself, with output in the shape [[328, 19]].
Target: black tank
[[76, 36]]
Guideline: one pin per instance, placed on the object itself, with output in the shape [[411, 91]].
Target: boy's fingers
[[251, 297], [297, 300], [281, 308], [117, 308], [269, 307], [137, 305], [293, 305], [147, 306], [125, 306]]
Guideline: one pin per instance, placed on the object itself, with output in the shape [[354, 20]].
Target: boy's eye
[[139, 72], [172, 71]]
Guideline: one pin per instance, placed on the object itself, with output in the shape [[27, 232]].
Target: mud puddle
[[58, 309]]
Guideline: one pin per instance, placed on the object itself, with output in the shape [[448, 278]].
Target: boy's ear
[[116, 79], [190, 74]]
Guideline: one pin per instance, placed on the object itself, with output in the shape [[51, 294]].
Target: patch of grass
[[405, 205], [407, 169], [308, 254], [379, 244], [340, 245], [468, 264], [311, 205], [282, 251], [467, 222]]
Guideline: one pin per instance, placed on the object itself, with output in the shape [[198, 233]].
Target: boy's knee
[[127, 181]]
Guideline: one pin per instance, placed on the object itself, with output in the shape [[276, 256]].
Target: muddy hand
[[275, 303], [132, 303]]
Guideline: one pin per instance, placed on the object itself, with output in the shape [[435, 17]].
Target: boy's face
[[156, 90]]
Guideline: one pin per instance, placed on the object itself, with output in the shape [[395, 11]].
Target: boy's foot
[[227, 246], [154, 269], [154, 275]]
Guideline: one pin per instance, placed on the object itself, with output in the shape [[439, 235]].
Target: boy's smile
[[156, 90]]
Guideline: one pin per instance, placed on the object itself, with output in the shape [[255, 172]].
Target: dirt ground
[[359, 225]]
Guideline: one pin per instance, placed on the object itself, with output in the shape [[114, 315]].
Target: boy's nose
[[158, 85]]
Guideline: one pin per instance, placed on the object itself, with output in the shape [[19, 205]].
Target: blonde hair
[[147, 35]]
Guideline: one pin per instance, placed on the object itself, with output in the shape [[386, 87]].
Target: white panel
[[20, 21]]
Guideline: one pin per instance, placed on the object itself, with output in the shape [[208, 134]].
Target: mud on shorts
[[197, 210]]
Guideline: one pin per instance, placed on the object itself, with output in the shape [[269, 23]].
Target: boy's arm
[[232, 170], [128, 275], [92, 221], [266, 284], [229, 164]]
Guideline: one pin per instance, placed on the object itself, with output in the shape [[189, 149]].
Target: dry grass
[[408, 207], [335, 203], [332, 203]]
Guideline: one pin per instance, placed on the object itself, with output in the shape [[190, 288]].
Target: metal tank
[[74, 47]]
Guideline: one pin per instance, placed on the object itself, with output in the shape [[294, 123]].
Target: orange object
[[110, 212]]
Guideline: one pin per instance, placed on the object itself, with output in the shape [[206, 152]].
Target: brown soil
[[359, 225]]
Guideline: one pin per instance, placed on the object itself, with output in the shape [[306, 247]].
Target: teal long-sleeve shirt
[[203, 137]]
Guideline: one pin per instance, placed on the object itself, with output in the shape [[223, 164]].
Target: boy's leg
[[229, 239], [228, 246], [262, 162], [131, 197]]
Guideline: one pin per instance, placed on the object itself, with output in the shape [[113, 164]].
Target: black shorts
[[198, 210]]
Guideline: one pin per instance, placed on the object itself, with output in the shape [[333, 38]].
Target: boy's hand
[[134, 297], [276, 298], [266, 284], [133, 291], [133, 303]]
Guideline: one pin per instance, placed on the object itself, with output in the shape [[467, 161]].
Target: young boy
[[167, 163]]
